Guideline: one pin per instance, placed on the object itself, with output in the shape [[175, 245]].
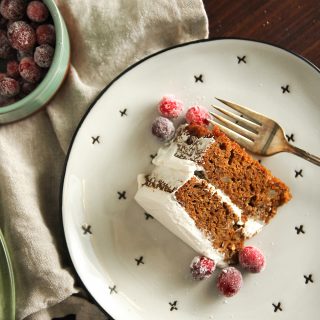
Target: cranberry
[[163, 128], [9, 87], [46, 34], [37, 11], [43, 55], [202, 267], [12, 9], [5, 48], [252, 259], [29, 71], [229, 281], [13, 69], [198, 115], [170, 107], [21, 36]]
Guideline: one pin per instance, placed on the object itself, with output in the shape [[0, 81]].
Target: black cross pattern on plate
[[148, 216], [308, 278], [95, 139], [198, 78], [242, 59], [277, 307], [173, 305], [259, 160], [122, 195], [290, 138], [86, 229], [123, 112], [285, 89], [139, 260], [300, 229], [113, 289], [298, 173]]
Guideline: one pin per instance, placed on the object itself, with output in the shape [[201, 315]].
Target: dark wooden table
[[291, 24]]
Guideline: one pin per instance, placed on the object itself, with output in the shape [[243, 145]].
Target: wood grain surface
[[291, 24]]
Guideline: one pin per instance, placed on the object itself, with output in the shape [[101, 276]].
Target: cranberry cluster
[[229, 281], [27, 42], [171, 108]]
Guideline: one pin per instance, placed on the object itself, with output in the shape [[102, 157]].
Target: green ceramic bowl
[[52, 80]]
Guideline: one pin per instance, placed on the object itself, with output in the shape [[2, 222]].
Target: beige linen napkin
[[106, 37]]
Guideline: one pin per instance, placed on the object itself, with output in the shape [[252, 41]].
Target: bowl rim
[[46, 82]]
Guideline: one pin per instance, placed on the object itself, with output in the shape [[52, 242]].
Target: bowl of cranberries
[[34, 56]]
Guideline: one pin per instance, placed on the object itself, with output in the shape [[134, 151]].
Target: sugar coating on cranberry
[[9, 87], [5, 47], [29, 71], [13, 69], [163, 129], [43, 55], [21, 36], [229, 281], [170, 107], [12, 10], [252, 259], [198, 115], [46, 34], [37, 11], [202, 268]]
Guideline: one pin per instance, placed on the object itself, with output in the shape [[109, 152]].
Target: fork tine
[[246, 143], [236, 128], [255, 116], [243, 121]]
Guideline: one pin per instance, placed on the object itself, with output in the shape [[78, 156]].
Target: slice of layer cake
[[210, 193]]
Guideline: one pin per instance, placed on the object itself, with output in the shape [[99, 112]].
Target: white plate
[[107, 232]]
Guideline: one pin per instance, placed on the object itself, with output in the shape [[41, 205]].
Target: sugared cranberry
[[202, 267], [13, 69], [252, 259], [46, 34], [21, 36], [12, 10], [9, 87], [198, 115], [29, 71], [170, 107], [163, 128], [5, 47], [229, 281], [43, 55], [37, 11], [27, 87]]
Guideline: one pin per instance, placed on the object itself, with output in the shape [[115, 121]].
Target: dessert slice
[[209, 192]]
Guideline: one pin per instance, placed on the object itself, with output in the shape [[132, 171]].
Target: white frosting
[[252, 227]]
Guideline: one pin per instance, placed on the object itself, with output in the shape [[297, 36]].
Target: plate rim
[[95, 100]]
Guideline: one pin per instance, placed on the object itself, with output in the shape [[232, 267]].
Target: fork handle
[[303, 154]]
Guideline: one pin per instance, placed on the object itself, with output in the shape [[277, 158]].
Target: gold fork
[[256, 132]]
